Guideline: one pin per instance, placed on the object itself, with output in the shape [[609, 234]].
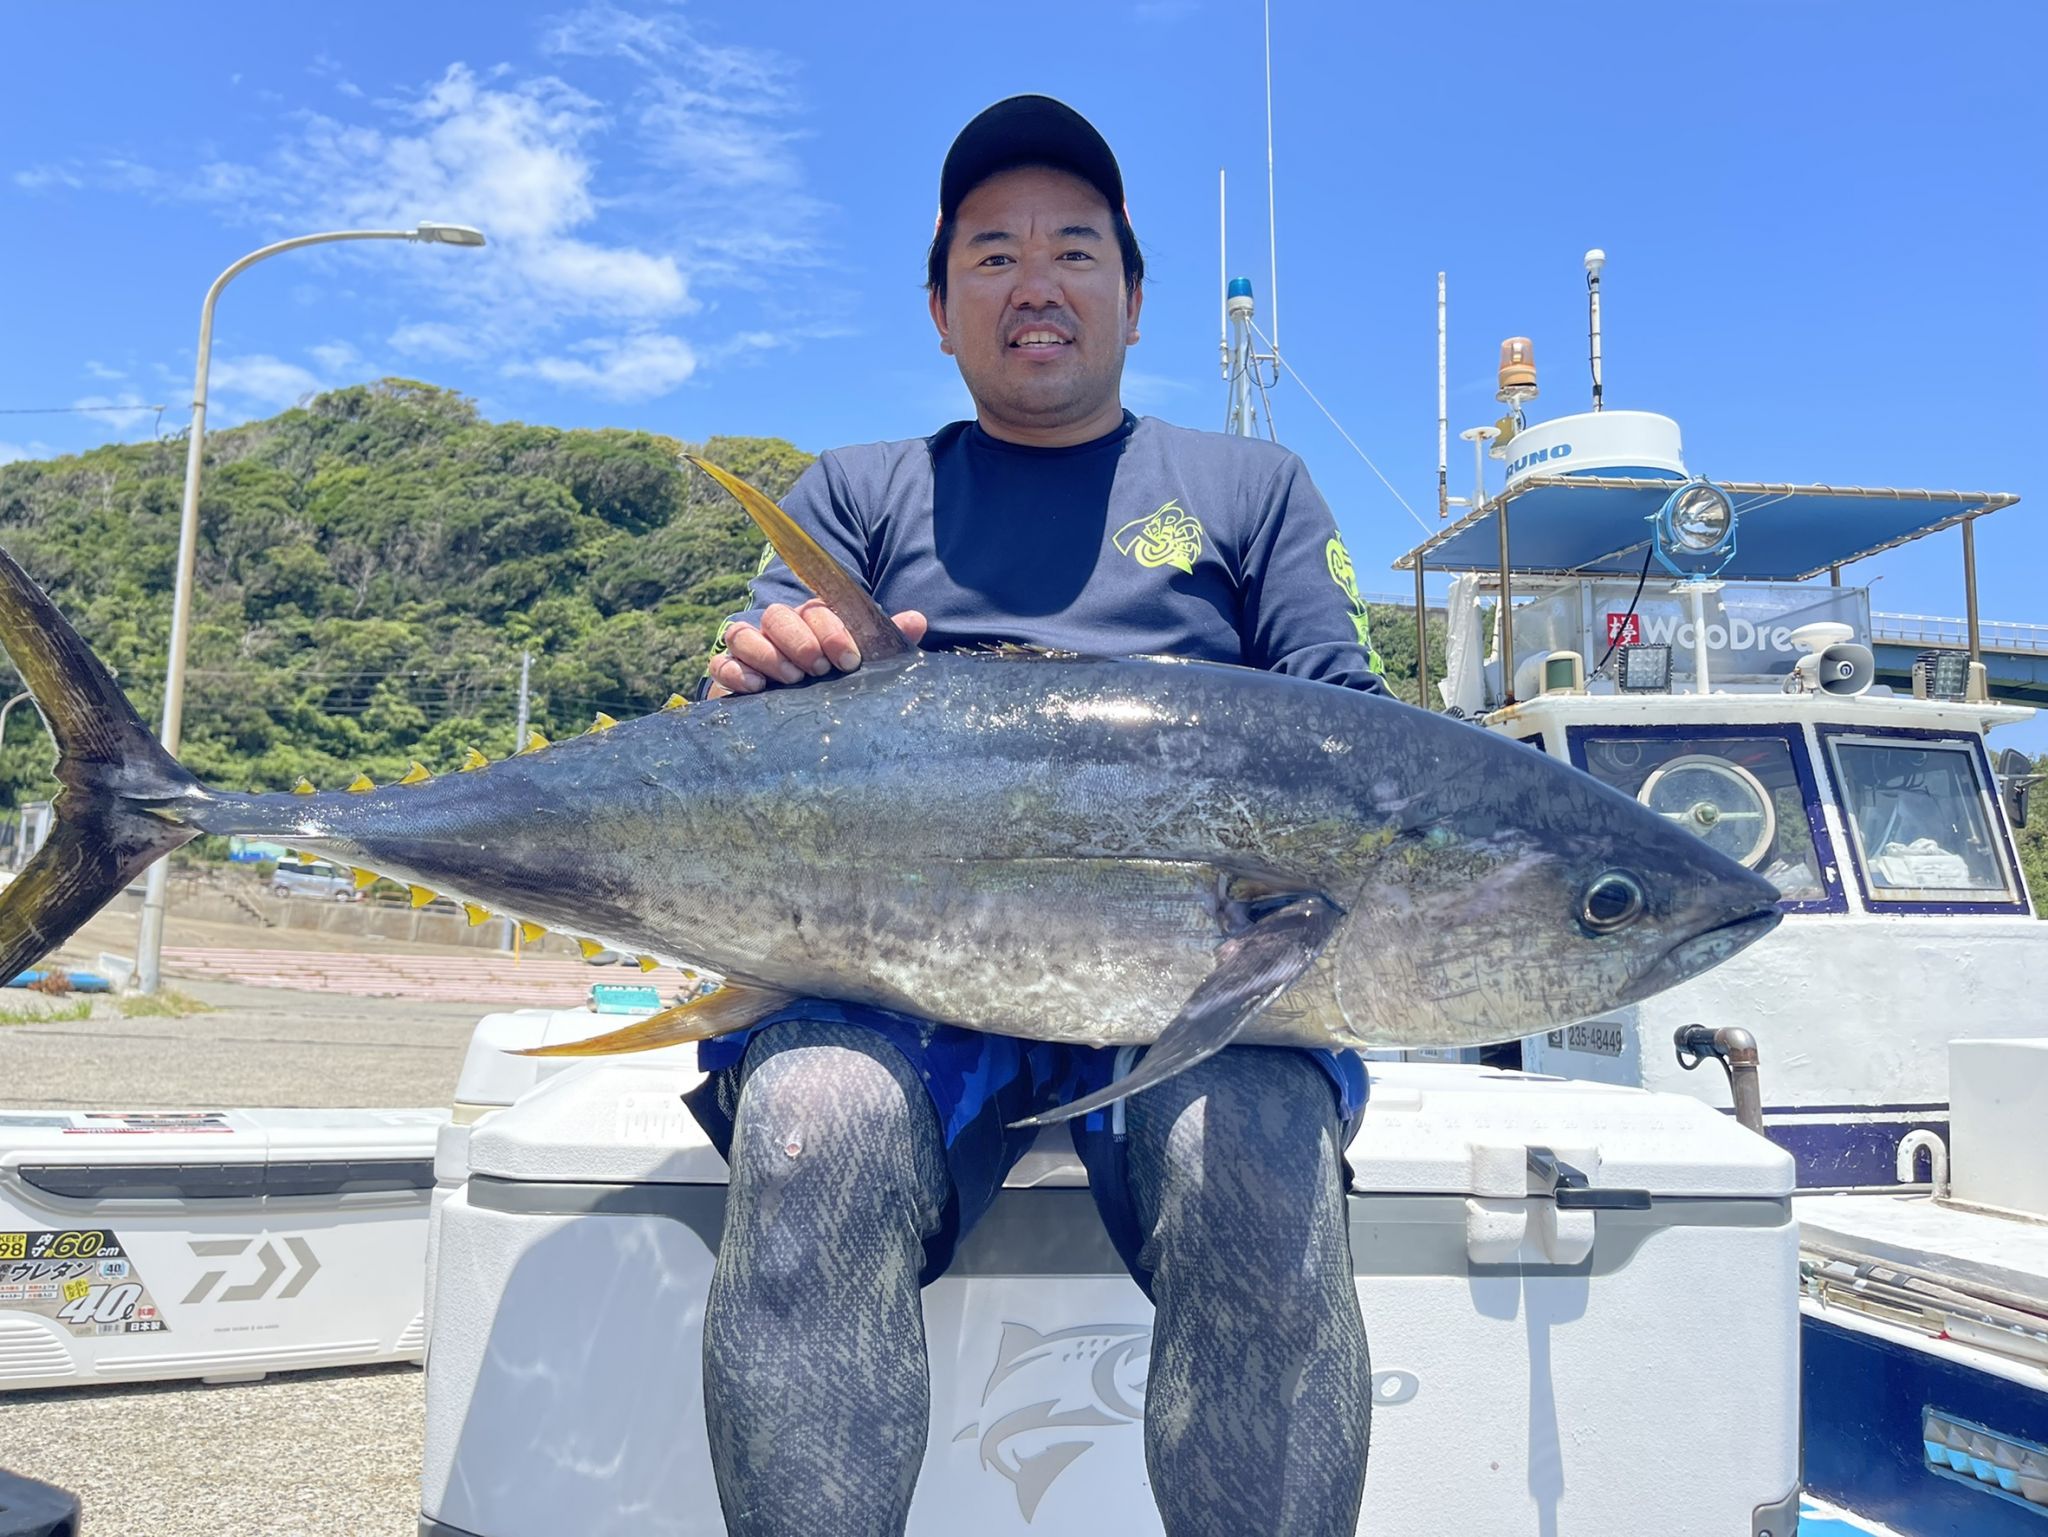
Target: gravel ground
[[304, 1454], [301, 1454]]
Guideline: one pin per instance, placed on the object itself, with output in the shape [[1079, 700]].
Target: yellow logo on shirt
[[1169, 537], [1346, 577]]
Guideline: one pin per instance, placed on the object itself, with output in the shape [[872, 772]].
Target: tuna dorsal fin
[[872, 630]]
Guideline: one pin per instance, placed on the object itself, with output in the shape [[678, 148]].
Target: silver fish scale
[[1053, 848]]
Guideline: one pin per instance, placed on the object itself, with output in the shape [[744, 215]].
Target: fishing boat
[[1691, 642]]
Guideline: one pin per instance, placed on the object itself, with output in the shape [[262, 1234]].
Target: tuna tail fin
[[117, 811], [873, 631]]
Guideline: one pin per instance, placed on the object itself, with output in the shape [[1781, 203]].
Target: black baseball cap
[[1028, 130]]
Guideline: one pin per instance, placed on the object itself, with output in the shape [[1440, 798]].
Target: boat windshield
[[1740, 792], [1919, 812]]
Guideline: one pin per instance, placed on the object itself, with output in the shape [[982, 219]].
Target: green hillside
[[371, 565]]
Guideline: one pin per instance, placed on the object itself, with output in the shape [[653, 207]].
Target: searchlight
[[1695, 531]]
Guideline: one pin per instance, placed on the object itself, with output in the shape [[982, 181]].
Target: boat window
[[1918, 810], [1742, 794]]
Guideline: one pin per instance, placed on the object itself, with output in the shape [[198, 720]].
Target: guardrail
[[1939, 630]]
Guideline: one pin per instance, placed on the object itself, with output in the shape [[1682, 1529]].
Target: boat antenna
[[1272, 235], [1595, 260], [1443, 411], [1222, 274]]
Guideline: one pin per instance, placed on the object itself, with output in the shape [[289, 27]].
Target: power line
[[61, 410], [1297, 378]]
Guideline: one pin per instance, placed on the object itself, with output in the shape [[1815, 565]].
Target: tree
[[371, 565]]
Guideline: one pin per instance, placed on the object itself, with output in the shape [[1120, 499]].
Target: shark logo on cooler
[[1049, 1396]]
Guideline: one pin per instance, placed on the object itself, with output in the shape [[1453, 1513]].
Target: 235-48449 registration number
[[1603, 1038]]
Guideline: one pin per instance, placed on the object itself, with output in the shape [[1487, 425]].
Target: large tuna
[[1071, 848]]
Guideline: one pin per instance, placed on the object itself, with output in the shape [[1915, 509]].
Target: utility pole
[[518, 746], [525, 676]]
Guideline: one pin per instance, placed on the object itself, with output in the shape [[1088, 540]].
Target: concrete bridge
[[2015, 655]]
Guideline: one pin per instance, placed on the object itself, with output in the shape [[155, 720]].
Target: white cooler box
[[1618, 1358], [221, 1244]]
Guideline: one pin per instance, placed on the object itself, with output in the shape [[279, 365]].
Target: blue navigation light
[[1238, 288], [1695, 530]]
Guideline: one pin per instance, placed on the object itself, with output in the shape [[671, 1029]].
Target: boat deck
[[2001, 1254]]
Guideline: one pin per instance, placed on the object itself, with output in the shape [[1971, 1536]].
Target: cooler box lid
[[100, 1155], [1444, 1129], [1434, 1129]]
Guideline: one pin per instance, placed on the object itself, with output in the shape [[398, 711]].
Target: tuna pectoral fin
[[733, 1007], [1252, 969], [872, 630]]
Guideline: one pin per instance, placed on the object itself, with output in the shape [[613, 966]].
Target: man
[[863, 1145]]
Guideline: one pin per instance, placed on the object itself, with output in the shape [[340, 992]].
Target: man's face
[[1035, 309]]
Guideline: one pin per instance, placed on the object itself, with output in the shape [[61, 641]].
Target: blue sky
[[1823, 222]]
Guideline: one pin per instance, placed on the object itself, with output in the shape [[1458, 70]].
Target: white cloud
[[339, 357], [126, 410], [622, 282], [1151, 393], [601, 30], [38, 178], [9, 452], [610, 210], [636, 367], [432, 339], [260, 380], [99, 370]]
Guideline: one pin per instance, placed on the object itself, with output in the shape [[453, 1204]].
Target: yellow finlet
[[535, 742], [648, 963], [304, 858], [472, 760], [476, 914], [361, 784], [531, 932], [676, 702], [603, 722], [420, 895], [416, 775], [364, 879], [589, 947], [304, 787]]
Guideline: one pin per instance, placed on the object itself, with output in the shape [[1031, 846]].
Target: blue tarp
[[1592, 524]]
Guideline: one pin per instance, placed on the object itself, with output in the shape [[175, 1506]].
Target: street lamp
[[6, 710], [150, 940]]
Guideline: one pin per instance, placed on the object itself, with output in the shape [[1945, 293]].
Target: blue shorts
[[979, 1083]]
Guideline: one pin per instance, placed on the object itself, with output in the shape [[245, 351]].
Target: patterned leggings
[[816, 1386]]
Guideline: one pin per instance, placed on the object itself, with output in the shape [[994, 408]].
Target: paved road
[[323, 1454]]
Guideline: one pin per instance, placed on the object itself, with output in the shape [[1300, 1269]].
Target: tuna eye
[[1613, 901]]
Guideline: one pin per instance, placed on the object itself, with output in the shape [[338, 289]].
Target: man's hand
[[790, 644]]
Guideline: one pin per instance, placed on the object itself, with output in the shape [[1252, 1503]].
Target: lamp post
[[150, 939], [6, 710]]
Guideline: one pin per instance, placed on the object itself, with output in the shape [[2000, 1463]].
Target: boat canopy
[[1585, 525]]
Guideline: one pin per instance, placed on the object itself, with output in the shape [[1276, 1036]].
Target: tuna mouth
[[1707, 949]]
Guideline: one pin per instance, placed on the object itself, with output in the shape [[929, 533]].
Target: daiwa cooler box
[[221, 1244], [1582, 1305]]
